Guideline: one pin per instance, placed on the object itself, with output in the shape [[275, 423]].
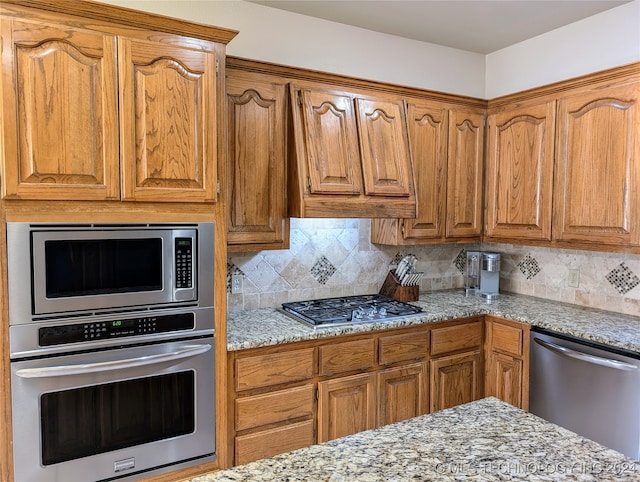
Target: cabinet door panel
[[331, 142], [346, 406], [168, 130], [428, 138], [465, 167], [256, 174], [597, 175], [403, 393], [520, 172], [386, 164], [455, 380], [63, 97], [505, 378]]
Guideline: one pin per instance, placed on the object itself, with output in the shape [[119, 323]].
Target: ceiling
[[481, 26]]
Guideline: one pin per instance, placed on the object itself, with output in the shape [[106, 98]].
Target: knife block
[[391, 287]]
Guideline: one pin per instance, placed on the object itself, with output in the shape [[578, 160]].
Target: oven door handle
[[64, 370]]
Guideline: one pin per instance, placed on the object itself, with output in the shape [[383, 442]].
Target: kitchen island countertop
[[270, 326], [482, 440]]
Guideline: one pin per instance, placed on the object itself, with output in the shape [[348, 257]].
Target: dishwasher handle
[[605, 362], [64, 370]]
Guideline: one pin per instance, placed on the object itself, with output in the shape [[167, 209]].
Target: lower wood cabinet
[[455, 380], [403, 393], [290, 396], [507, 361], [346, 406], [456, 363]]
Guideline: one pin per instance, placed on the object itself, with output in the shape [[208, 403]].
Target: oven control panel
[[184, 259], [104, 330]]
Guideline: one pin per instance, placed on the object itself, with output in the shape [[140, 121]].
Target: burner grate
[[349, 310]]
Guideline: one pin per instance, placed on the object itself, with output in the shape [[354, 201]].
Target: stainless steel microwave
[[67, 270]]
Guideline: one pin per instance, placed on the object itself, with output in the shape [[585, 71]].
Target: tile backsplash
[[335, 257]]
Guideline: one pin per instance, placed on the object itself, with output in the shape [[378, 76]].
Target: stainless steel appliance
[[588, 388], [482, 274], [349, 310], [113, 386]]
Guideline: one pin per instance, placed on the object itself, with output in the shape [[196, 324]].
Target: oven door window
[[102, 266], [91, 420]]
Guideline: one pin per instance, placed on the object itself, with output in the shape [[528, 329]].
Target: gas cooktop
[[349, 310]]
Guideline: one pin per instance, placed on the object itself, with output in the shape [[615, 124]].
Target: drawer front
[[274, 407], [266, 370], [507, 339], [456, 338], [274, 441], [404, 347], [347, 356]]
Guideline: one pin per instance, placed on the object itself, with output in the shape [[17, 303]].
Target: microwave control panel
[[104, 330], [184, 261]]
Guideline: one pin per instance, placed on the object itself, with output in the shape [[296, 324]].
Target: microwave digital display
[[102, 266]]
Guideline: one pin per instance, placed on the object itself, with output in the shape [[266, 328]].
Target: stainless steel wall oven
[[112, 349]]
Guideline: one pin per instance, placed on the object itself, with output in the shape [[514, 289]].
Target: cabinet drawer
[[347, 356], [455, 338], [274, 407], [404, 347], [274, 441], [507, 339], [265, 370]]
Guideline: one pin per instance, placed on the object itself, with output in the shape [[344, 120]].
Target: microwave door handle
[[606, 362], [64, 370]]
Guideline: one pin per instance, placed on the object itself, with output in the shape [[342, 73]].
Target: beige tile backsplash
[[334, 257]]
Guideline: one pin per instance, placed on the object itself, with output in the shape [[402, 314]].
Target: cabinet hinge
[[217, 67], [300, 98], [317, 394], [402, 228], [218, 187]]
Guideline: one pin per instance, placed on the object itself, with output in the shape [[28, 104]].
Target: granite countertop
[[482, 440], [270, 326]]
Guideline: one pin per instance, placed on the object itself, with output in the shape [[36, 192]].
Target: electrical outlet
[[236, 283], [574, 278]]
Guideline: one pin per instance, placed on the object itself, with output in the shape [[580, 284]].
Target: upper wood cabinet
[[255, 181], [447, 151], [520, 171], [350, 155], [107, 111], [597, 184], [563, 165]]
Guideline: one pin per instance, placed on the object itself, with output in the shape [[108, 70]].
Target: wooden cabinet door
[[520, 172], [507, 361], [255, 185], [403, 393], [428, 124], [505, 378], [455, 380], [60, 110], [386, 164], [346, 406], [598, 167], [325, 122], [168, 122], [464, 173]]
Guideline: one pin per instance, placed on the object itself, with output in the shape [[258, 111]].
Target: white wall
[[287, 38], [600, 42]]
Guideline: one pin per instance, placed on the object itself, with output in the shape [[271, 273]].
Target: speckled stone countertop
[[483, 440], [270, 326]]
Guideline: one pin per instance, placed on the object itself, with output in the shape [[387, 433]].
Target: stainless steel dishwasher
[[587, 388]]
